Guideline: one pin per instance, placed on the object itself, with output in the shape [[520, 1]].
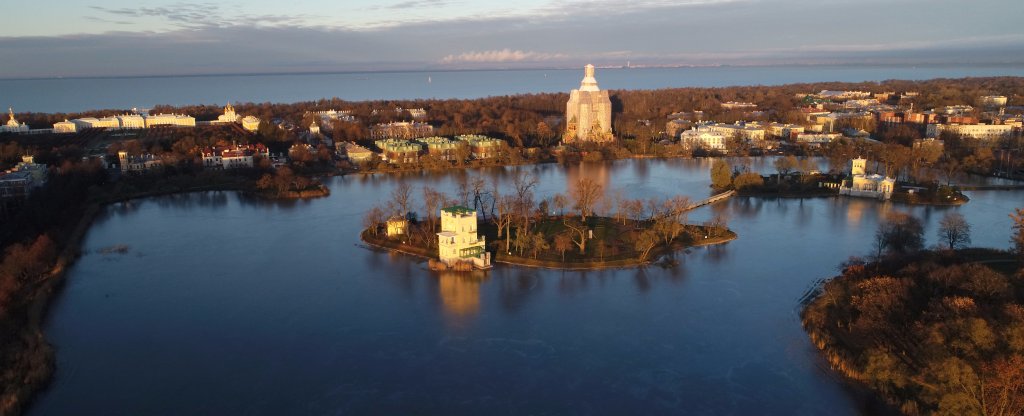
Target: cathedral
[[588, 113]]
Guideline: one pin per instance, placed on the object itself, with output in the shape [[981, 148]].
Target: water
[[80, 94], [226, 305]]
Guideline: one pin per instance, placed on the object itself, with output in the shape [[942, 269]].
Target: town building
[[817, 139], [974, 131], [735, 105], [482, 147], [138, 163], [442, 148], [784, 131], [751, 132], [861, 184], [399, 151], [703, 138], [405, 130], [588, 112], [238, 156], [353, 152], [19, 181], [991, 101], [458, 241], [131, 121], [12, 125]]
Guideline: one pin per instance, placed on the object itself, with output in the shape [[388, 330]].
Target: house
[[397, 225], [861, 184], [458, 241], [238, 156]]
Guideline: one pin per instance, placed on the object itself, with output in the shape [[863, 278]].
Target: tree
[[560, 202], [785, 165], [503, 219], [899, 233], [645, 242], [585, 194], [577, 233], [954, 231], [373, 218], [432, 200], [1017, 240], [401, 197], [748, 180], [721, 174], [563, 243], [539, 243]]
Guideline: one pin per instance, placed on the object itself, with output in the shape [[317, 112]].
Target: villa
[[860, 184], [458, 241]]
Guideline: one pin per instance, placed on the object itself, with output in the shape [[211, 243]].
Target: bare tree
[[560, 202], [954, 231], [538, 243], [577, 233], [563, 243], [645, 242], [373, 218], [503, 219], [585, 194], [462, 189], [1018, 232], [401, 196], [432, 199]]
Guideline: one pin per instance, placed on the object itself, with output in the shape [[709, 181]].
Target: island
[[517, 231], [929, 331]]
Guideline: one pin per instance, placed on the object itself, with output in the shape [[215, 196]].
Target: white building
[[251, 123], [12, 125], [974, 131], [751, 132], [229, 115], [177, 120], [702, 138], [131, 121], [458, 241], [860, 184], [96, 123], [784, 131], [992, 101], [588, 113], [817, 138], [64, 127]]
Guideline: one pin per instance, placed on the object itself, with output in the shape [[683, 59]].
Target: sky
[[52, 38]]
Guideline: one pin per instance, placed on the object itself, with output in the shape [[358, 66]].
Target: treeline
[[932, 332], [535, 120]]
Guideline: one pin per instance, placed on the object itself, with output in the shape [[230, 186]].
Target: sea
[[64, 95]]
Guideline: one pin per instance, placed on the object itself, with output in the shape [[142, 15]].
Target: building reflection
[[460, 292], [596, 171]]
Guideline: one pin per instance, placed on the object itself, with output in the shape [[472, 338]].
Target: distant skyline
[[153, 37]]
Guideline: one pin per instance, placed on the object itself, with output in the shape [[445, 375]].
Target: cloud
[[414, 4], [195, 16], [501, 56]]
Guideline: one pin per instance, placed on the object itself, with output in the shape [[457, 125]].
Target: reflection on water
[[244, 306], [460, 292]]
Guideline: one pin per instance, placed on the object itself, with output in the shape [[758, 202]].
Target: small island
[[800, 178], [512, 229]]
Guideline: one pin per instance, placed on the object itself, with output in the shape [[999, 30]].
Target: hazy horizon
[[169, 38]]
